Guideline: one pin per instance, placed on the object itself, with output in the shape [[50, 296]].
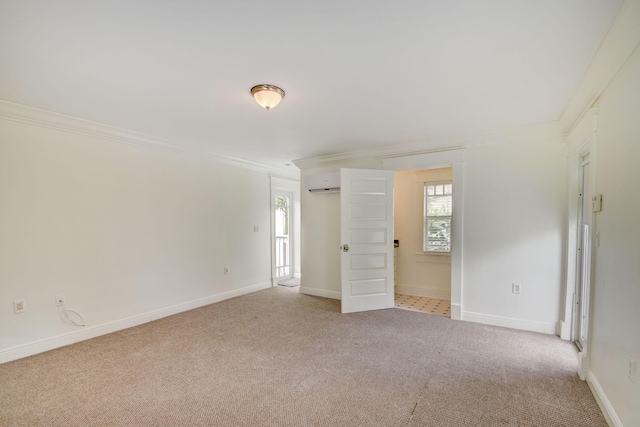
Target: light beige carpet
[[279, 358]]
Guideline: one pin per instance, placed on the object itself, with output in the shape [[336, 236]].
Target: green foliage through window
[[282, 215]]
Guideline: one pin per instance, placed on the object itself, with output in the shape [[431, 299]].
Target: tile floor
[[439, 307]]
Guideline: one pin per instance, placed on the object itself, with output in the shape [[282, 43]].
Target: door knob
[[345, 248]]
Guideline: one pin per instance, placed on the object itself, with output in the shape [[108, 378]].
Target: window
[[438, 203]]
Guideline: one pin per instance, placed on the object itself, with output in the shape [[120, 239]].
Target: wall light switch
[[632, 370]]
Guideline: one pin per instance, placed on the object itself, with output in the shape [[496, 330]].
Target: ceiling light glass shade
[[268, 96]]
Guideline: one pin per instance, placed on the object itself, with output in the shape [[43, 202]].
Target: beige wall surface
[[121, 230], [320, 239], [514, 225], [418, 273], [616, 285]]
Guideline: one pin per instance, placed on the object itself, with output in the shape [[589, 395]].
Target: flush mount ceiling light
[[268, 96]]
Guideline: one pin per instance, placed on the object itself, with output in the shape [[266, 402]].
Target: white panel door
[[366, 205]]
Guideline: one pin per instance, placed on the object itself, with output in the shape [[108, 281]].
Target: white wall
[[514, 204], [418, 273], [616, 285], [320, 238], [126, 233], [514, 213]]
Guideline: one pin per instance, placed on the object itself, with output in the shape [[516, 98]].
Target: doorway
[[285, 232], [453, 158], [282, 235], [423, 214]]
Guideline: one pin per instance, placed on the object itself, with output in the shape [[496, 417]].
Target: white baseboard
[[507, 322], [603, 402], [320, 293], [424, 292], [456, 311], [83, 334], [564, 330], [583, 365]]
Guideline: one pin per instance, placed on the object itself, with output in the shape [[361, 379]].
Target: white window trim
[[435, 253]]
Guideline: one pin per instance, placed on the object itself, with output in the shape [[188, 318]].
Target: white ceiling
[[357, 73]]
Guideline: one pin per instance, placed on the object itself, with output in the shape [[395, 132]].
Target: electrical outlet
[[515, 288], [226, 270], [632, 370], [59, 300], [18, 306]]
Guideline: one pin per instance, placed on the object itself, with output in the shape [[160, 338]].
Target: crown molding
[[583, 131], [32, 116], [18, 113], [620, 42], [453, 142]]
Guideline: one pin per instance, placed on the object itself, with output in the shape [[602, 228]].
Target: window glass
[[438, 208]]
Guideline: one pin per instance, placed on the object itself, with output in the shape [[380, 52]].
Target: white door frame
[[582, 292], [581, 142]]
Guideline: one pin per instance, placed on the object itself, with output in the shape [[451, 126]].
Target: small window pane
[[439, 235], [439, 206], [431, 190]]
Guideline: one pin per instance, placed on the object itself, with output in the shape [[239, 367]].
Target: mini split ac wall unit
[[323, 182]]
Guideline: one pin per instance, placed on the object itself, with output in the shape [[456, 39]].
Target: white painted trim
[[83, 334], [571, 238], [456, 311], [580, 142], [603, 401], [433, 146], [424, 292], [32, 116], [563, 330], [457, 241], [424, 161], [320, 293], [284, 183], [47, 119], [508, 322], [583, 365]]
